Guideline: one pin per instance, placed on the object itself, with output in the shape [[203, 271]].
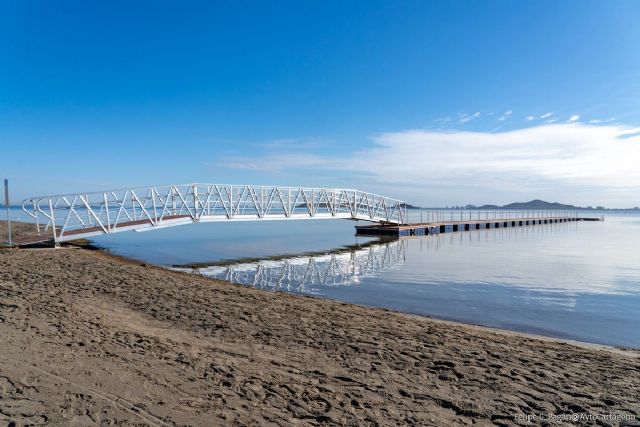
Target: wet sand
[[19, 230], [87, 338]]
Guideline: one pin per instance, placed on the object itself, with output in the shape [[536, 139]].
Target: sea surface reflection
[[311, 273], [572, 280]]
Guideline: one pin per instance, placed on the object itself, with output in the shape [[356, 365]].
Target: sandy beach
[[91, 339]]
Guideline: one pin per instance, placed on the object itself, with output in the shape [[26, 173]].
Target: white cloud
[[276, 162], [574, 118], [464, 118], [565, 153], [529, 118], [545, 115], [505, 115], [601, 161], [600, 121], [291, 143]]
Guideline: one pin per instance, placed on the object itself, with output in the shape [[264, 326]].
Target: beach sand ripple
[[90, 339]]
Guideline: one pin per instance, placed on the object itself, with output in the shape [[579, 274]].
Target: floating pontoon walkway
[[423, 229]]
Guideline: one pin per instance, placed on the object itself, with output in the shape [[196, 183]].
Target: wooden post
[[6, 203]]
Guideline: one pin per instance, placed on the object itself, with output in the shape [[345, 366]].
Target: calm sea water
[[575, 280]]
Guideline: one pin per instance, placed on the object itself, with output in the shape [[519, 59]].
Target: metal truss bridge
[[309, 274], [74, 216]]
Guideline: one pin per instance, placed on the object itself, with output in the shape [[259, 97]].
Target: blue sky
[[438, 103]]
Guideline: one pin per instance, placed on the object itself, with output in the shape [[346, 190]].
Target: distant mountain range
[[409, 206], [533, 204]]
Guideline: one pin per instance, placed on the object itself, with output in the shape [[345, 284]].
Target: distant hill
[[533, 204], [409, 206]]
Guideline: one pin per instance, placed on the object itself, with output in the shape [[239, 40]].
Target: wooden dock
[[427, 228]]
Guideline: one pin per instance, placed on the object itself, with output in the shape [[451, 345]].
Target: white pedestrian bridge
[[73, 216]]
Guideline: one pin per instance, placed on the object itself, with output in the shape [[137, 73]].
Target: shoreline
[[623, 350], [89, 336], [87, 245]]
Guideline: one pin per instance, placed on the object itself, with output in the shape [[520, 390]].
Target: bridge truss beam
[[73, 216]]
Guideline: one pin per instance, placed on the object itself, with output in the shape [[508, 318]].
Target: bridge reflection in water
[[568, 279], [307, 273], [407, 256]]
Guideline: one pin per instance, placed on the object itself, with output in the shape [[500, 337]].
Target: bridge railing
[[71, 216], [461, 215]]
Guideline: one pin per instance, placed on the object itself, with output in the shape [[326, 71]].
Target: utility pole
[[6, 203]]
